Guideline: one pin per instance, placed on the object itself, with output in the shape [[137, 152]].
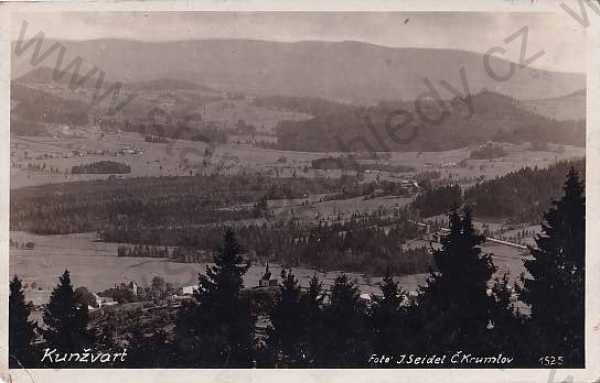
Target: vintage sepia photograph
[[297, 190]]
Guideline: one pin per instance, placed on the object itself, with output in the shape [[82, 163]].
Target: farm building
[[188, 290]]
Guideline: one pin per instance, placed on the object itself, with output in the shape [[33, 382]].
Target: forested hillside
[[419, 126], [149, 202], [438, 200], [522, 195], [31, 107]]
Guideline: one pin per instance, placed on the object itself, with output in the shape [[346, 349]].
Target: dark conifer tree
[[153, 351], [21, 331], [218, 331], [507, 323], [105, 334], [555, 290], [66, 321], [388, 318], [454, 305], [345, 330], [287, 333], [312, 303]]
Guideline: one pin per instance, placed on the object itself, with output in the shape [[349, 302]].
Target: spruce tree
[[65, 320], [347, 343], [555, 290], [105, 334], [312, 302], [143, 351], [508, 330], [287, 332], [454, 305], [21, 331], [388, 318], [218, 331]]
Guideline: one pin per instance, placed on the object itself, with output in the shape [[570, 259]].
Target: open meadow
[[95, 265], [182, 157]]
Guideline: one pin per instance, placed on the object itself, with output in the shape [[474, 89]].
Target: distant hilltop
[[342, 71]]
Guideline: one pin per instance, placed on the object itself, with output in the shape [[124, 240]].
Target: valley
[[308, 163]]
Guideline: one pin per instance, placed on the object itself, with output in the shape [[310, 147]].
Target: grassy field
[[185, 157], [95, 265], [176, 158]]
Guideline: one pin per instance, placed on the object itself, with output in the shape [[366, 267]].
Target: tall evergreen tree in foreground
[[555, 290], [388, 318], [287, 334], [312, 305], [345, 331], [154, 351], [454, 305], [218, 331], [508, 331], [66, 321], [20, 330]]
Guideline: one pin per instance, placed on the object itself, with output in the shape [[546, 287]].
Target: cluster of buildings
[[128, 150], [156, 139], [102, 302]]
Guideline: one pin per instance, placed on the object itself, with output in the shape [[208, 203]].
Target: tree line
[[438, 200], [76, 207], [522, 195], [101, 167], [460, 307], [367, 244], [488, 151]]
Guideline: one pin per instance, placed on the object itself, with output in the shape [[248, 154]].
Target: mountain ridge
[[342, 71]]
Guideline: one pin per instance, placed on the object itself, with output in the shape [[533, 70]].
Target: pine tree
[[508, 330], [388, 318], [105, 334], [148, 351], [288, 323], [65, 320], [218, 331], [454, 305], [345, 327], [555, 290], [21, 331], [312, 302]]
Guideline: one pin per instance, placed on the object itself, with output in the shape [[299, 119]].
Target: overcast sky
[[562, 40]]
